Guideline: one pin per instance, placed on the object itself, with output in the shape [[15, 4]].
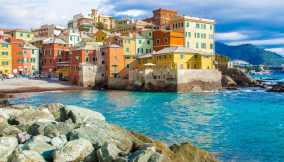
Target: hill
[[250, 53]]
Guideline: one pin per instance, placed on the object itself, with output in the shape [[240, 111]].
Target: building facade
[[5, 58], [144, 42], [54, 52], [107, 21], [163, 39], [22, 34], [162, 17], [25, 58], [198, 32], [47, 31]]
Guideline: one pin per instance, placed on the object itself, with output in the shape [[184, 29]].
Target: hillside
[[250, 53]]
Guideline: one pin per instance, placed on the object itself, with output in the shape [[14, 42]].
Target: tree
[[100, 26]]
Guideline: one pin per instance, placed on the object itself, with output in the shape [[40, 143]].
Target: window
[[114, 68], [181, 56], [203, 45], [158, 41], [148, 42], [87, 59], [187, 24], [211, 46], [166, 40], [140, 41], [127, 49], [5, 63], [187, 44], [127, 66], [28, 35], [21, 34], [5, 45], [5, 53], [197, 26], [103, 62]]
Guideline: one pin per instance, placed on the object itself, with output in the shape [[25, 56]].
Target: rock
[[55, 109], [36, 128], [7, 147], [40, 144], [4, 102], [186, 152], [76, 150], [28, 117], [23, 137], [276, 88], [3, 123], [55, 129], [10, 131], [84, 115], [147, 155], [27, 156], [228, 82], [101, 132], [239, 77], [59, 141], [108, 153]]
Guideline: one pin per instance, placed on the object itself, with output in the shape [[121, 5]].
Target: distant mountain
[[250, 53]]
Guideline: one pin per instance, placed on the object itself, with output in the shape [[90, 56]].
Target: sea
[[246, 125]]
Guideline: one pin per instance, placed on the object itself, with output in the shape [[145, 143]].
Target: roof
[[181, 49], [53, 40], [29, 46]]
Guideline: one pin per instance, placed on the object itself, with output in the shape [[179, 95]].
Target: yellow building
[[5, 58], [198, 32], [174, 58]]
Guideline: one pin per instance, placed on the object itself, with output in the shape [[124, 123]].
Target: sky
[[258, 22]]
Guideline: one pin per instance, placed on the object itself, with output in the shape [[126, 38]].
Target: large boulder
[[76, 150], [28, 117], [7, 147], [228, 82], [101, 132], [40, 144], [84, 115], [27, 156], [10, 130], [109, 153], [148, 154], [239, 77]]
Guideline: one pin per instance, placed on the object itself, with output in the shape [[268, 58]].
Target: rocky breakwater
[[279, 87], [60, 133], [234, 78]]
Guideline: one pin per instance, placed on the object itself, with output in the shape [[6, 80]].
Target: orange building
[[163, 39], [114, 62], [162, 17]]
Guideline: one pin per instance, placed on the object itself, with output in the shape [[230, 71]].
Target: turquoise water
[[245, 125]]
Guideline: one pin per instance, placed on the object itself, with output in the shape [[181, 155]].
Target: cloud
[[277, 50], [132, 13], [263, 42], [230, 36]]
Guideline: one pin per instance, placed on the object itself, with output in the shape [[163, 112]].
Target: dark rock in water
[[239, 77], [279, 87], [228, 82]]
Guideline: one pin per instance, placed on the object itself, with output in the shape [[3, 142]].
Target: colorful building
[[5, 58], [164, 38], [84, 54], [22, 34], [114, 62], [144, 42], [102, 35], [198, 32], [25, 58], [162, 17], [177, 58], [54, 52], [47, 31], [107, 21]]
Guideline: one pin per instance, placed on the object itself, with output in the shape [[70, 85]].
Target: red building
[[25, 57], [80, 55], [162, 17], [54, 52]]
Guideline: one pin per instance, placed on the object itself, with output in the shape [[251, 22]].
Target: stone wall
[[198, 80]]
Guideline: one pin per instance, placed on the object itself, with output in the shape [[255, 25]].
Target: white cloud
[[132, 13], [230, 36], [264, 42], [277, 50]]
